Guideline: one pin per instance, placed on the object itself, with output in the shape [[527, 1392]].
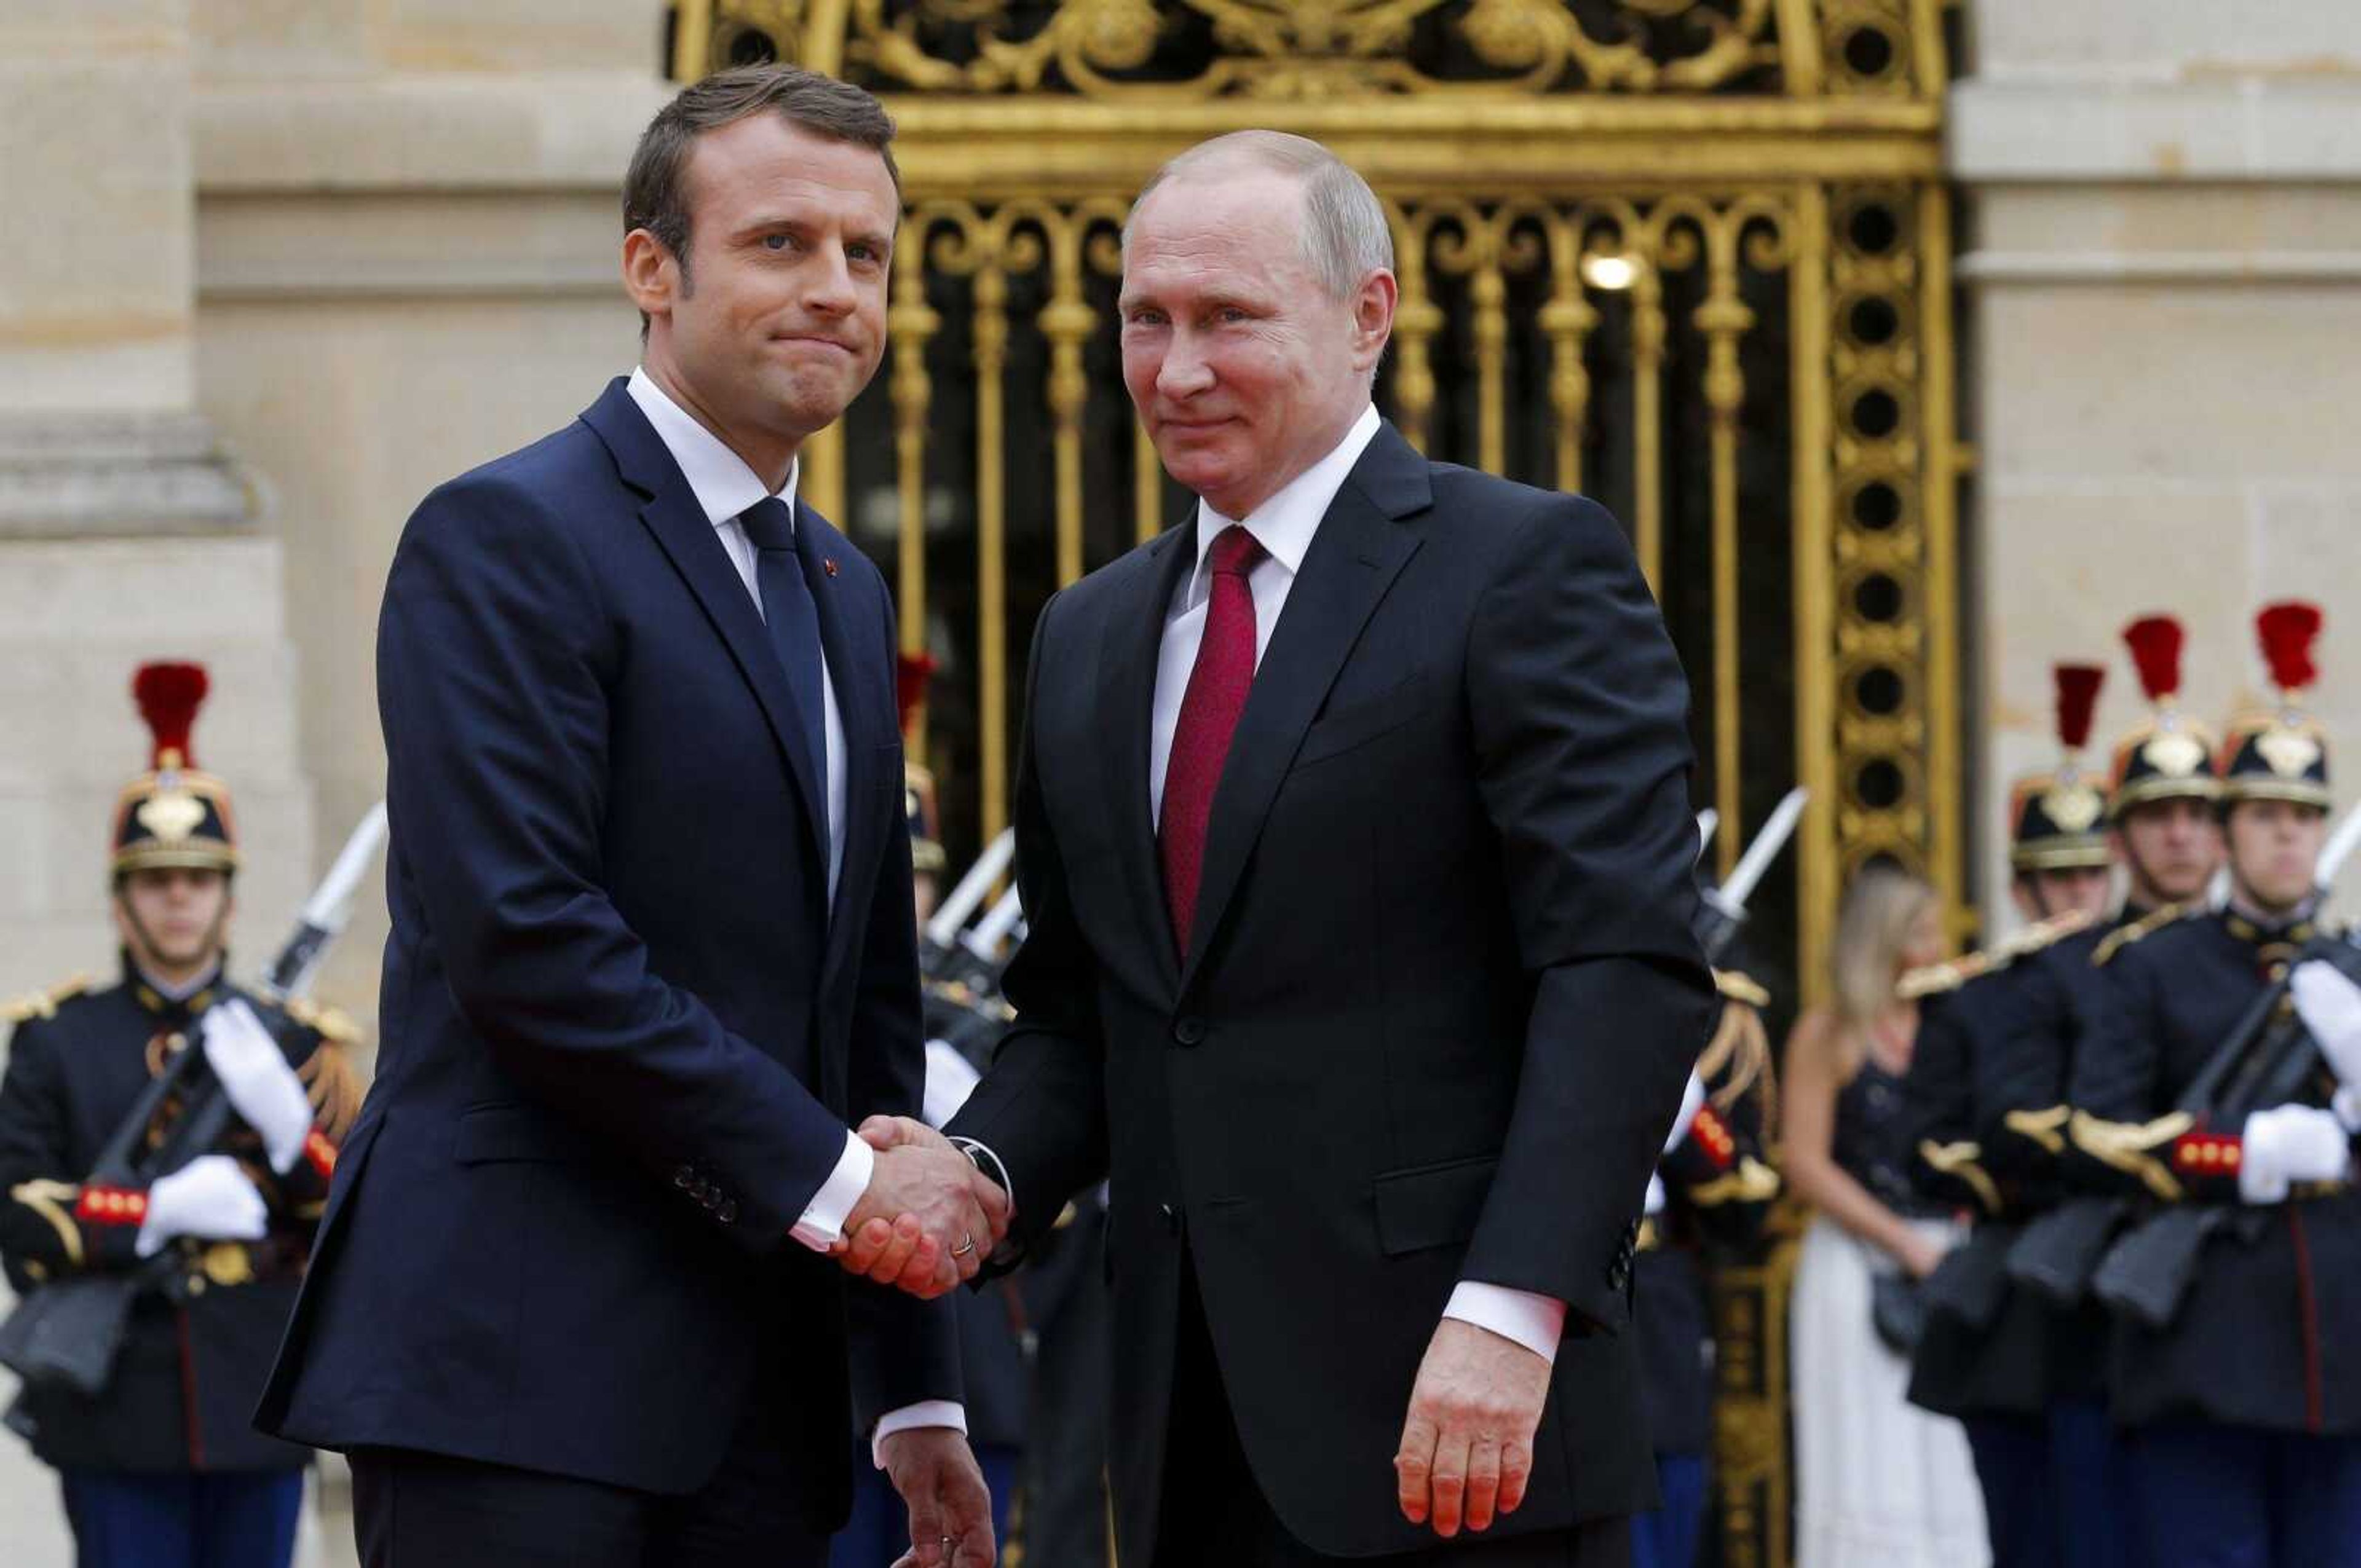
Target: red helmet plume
[[2078, 701], [168, 696], [2288, 631], [2155, 642]]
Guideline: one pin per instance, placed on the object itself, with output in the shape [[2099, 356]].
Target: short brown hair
[[655, 189]]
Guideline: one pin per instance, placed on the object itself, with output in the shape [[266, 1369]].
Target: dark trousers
[[2021, 1513], [2215, 1497], [1214, 1514], [1666, 1536], [879, 1530], [1066, 1521], [233, 1519], [2092, 1485], [424, 1511]]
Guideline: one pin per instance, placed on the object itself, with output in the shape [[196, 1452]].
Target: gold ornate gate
[[1692, 255]]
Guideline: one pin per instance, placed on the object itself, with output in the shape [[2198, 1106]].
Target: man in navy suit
[[653, 945]]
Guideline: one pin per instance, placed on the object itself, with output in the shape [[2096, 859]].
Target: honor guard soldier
[[1708, 1201], [2202, 1091], [2162, 794], [1984, 1356], [161, 1465]]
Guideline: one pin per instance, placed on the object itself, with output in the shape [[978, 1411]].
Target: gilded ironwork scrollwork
[[1275, 50]]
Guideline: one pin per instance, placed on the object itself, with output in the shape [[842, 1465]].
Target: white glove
[[255, 1075], [209, 1197], [2330, 1006], [2288, 1144]]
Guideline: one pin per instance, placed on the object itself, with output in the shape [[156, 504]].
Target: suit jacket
[[1439, 1009], [623, 1030]]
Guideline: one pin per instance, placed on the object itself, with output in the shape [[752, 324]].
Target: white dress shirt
[[1284, 526], [725, 486]]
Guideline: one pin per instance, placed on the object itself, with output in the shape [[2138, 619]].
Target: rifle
[[2148, 1273], [941, 950], [1722, 911], [2060, 1252], [67, 1333]]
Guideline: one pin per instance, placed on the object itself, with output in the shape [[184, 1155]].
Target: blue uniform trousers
[[2219, 1497], [2093, 1480], [1668, 1537], [228, 1520]]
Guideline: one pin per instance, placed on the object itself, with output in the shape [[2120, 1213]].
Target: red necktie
[[1209, 714]]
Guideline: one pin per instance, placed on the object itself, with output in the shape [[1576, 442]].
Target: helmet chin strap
[[2144, 889]]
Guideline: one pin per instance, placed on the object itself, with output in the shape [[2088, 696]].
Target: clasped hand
[[930, 1217]]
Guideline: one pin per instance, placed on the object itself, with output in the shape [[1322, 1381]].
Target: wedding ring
[[967, 1246]]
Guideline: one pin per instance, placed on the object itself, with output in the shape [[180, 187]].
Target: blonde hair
[[1872, 933]]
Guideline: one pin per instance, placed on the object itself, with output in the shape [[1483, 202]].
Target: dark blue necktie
[[792, 622]]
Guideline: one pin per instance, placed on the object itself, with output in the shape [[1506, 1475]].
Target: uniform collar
[[177, 1007], [724, 486]]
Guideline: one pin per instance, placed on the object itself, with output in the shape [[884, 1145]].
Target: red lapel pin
[[829, 566]]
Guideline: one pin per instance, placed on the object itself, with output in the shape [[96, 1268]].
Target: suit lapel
[[1354, 560], [671, 512], [851, 648], [1128, 652]]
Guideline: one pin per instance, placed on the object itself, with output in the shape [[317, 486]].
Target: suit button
[[1190, 1031], [1171, 1217]]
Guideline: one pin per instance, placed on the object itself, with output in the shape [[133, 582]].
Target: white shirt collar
[[1284, 524], [722, 483]]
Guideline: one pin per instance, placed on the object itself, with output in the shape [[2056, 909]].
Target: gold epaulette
[[1736, 986], [330, 1023], [1961, 1162], [1749, 1182], [1934, 980], [2046, 933], [2146, 924], [43, 1003]]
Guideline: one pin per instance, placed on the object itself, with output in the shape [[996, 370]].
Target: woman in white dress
[[1878, 1483]]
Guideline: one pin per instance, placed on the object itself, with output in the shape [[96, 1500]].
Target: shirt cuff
[[2346, 1104], [822, 1225], [1532, 1320], [909, 1417]]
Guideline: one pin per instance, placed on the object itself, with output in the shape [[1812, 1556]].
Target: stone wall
[[407, 245], [2162, 263]]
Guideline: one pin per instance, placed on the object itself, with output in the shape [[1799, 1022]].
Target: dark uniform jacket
[[201, 1345], [1440, 1002], [1718, 1194], [1987, 1091], [2264, 1338]]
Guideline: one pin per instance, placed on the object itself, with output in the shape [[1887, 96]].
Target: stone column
[[125, 532], [2163, 274], [408, 239]]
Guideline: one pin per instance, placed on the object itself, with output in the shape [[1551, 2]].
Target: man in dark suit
[[1356, 847], [653, 941]]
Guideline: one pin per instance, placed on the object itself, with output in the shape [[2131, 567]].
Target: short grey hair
[[1345, 236]]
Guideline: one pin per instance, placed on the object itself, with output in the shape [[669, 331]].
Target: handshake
[[928, 1218]]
